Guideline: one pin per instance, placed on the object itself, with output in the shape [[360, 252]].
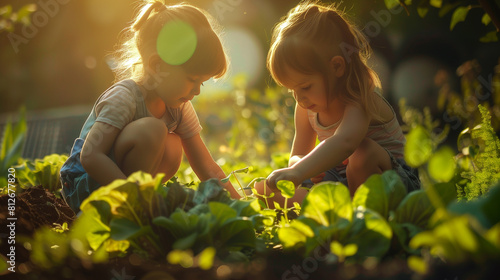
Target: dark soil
[[34, 208]]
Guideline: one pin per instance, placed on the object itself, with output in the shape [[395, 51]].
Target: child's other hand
[[318, 178], [288, 174]]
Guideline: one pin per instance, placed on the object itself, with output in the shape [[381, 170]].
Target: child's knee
[[147, 132], [360, 156], [172, 155], [146, 135], [369, 154]]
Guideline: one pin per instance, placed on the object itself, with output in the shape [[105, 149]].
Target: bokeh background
[[61, 64]]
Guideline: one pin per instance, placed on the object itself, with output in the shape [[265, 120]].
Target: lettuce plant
[[11, 147], [328, 220], [43, 172], [154, 219], [380, 211]]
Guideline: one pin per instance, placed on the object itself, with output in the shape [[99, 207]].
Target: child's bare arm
[[328, 153], [304, 139], [203, 164], [94, 156]]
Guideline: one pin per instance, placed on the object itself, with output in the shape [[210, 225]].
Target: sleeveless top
[[388, 135]]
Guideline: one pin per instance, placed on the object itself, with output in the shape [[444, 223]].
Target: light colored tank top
[[388, 135]]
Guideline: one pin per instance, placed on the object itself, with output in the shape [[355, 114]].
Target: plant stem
[[239, 184], [265, 195], [285, 210]]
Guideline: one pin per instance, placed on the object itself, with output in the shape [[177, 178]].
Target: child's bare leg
[[300, 194], [142, 145], [172, 156], [368, 159]]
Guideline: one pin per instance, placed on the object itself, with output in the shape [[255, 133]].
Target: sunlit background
[[59, 66]]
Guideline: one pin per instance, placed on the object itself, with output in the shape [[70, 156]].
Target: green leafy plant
[[214, 225], [380, 211], [11, 147], [43, 172], [53, 247], [460, 10], [478, 225], [329, 219], [143, 214], [287, 190], [9, 18], [485, 165]]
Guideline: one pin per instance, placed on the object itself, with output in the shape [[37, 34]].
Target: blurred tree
[[491, 9], [8, 18]]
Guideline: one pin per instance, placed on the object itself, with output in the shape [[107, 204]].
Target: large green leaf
[[185, 242], [211, 190], [453, 239], [327, 202], [178, 197], [122, 197], [286, 188], [447, 192], [180, 223], [221, 212], [442, 165], [236, 233], [381, 193], [90, 225], [416, 209], [404, 233], [419, 146], [122, 229], [246, 208], [459, 15], [370, 232], [295, 234]]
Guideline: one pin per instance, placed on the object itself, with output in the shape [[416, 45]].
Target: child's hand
[[289, 174], [318, 178]]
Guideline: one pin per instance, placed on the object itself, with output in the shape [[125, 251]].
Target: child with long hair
[[322, 59], [146, 119]]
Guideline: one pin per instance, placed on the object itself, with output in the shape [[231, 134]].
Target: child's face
[[308, 90], [178, 87]]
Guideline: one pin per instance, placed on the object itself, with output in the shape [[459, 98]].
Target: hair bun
[[146, 11], [158, 6]]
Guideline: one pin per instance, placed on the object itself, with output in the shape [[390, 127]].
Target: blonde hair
[[140, 40], [309, 36]]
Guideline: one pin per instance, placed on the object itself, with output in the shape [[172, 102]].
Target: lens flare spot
[[176, 42]]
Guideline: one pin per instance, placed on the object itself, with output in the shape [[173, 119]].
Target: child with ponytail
[[322, 59], [145, 120]]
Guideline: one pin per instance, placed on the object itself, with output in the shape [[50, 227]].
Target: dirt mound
[[34, 208]]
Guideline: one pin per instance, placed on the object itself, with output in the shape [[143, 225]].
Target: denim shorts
[[408, 175], [77, 185]]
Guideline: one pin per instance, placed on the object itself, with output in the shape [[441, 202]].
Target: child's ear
[[154, 63], [338, 66]]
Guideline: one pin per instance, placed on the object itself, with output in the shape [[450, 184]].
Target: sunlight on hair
[[176, 42]]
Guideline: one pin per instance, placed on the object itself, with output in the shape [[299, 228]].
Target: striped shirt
[[123, 103], [388, 135]]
